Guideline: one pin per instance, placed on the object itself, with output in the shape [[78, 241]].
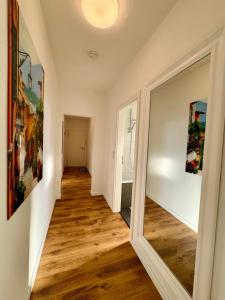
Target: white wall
[[129, 143], [168, 184], [83, 103], [21, 237]]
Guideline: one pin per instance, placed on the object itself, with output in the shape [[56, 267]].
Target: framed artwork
[[25, 111], [196, 137]]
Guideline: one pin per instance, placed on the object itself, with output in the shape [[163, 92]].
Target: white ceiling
[[71, 37]]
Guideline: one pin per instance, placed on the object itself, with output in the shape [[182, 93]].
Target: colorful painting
[[196, 137], [25, 112]]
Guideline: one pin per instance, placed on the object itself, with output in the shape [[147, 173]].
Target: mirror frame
[[165, 281]]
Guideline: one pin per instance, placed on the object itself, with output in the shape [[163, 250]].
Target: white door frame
[[63, 145], [168, 285], [118, 157]]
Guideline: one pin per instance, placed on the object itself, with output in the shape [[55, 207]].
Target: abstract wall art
[[25, 111], [196, 137]]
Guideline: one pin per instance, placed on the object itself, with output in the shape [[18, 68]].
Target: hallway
[[87, 254]]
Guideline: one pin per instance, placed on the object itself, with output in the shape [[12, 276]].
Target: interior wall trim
[[95, 193], [38, 259], [175, 214]]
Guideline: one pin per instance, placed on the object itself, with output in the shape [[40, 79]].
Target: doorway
[[125, 160], [76, 135]]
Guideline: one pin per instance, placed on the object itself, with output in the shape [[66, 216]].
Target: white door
[[75, 148]]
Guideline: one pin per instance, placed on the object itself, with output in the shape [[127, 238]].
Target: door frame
[[165, 281], [63, 146], [63, 139], [117, 186]]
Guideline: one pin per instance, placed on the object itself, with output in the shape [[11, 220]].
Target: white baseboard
[[34, 274], [95, 193], [109, 204], [166, 283], [59, 196], [89, 170], [105, 197], [177, 216]]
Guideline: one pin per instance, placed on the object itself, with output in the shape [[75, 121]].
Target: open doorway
[[125, 160], [76, 142]]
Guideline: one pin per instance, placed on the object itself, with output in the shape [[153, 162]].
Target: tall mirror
[[177, 128]]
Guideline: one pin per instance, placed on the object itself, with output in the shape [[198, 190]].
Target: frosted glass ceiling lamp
[[100, 13]]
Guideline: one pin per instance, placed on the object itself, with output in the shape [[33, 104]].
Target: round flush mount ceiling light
[[100, 13]]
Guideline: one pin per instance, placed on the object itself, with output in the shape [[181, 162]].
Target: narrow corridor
[[87, 254]]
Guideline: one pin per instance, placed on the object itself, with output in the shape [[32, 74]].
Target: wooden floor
[[87, 254], [173, 241]]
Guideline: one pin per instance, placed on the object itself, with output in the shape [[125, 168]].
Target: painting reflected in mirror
[[178, 118]]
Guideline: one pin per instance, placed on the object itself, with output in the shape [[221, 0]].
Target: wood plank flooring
[[87, 254], [174, 241]]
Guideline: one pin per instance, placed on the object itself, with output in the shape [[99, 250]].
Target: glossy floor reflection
[[87, 254]]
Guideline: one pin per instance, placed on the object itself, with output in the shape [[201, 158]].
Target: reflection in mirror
[[174, 171]]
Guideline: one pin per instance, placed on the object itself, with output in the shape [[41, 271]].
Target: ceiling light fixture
[[100, 13]]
